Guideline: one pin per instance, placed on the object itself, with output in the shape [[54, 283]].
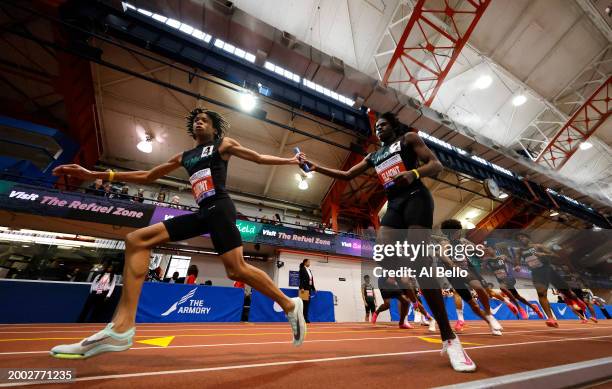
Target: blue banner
[[563, 312], [263, 309], [294, 278], [172, 303]]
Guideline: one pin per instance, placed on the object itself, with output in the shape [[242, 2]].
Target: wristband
[[111, 175], [416, 173]]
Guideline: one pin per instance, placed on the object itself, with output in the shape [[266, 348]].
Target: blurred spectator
[[125, 193], [278, 218], [108, 190], [161, 200], [139, 196], [174, 279], [72, 276], [208, 283], [264, 219], [96, 188], [100, 292], [175, 202], [192, 274]]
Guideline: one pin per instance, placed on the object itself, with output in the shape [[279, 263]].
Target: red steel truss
[[431, 48], [583, 123]]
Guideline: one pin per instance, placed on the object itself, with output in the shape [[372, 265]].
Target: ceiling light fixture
[[146, 145], [554, 213], [469, 225], [248, 101], [303, 185], [472, 214], [585, 145], [519, 100], [503, 195], [483, 82]]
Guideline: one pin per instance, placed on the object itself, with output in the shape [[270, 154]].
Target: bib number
[[202, 185], [369, 293], [389, 169]]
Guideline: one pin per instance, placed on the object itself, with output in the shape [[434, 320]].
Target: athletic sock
[[460, 314]]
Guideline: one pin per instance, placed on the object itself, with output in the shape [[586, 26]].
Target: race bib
[[369, 292], [202, 185], [389, 169]]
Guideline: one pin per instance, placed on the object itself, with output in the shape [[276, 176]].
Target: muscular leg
[[238, 270], [430, 286], [541, 289], [483, 296], [138, 246], [384, 306]]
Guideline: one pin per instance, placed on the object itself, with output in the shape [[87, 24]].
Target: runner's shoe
[[459, 359], [103, 341], [459, 326], [297, 322], [405, 326], [552, 323], [494, 323], [432, 326], [523, 314], [374, 317]]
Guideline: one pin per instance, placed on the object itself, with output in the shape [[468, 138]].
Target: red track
[[334, 355]]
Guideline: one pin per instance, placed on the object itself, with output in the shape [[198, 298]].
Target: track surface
[[334, 354]]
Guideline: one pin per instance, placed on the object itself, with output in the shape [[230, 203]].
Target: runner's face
[[202, 125], [384, 131], [523, 239]]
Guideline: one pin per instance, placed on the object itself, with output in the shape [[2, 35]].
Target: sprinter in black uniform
[[497, 262], [206, 164], [368, 296], [537, 258], [400, 163]]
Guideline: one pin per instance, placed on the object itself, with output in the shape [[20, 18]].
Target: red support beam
[[432, 60], [583, 123]]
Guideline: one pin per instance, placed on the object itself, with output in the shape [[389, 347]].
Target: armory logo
[[193, 306]]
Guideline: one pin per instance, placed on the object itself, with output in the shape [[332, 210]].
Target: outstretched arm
[[137, 177], [353, 172], [231, 147]]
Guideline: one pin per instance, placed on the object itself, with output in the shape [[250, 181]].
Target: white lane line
[[426, 334], [298, 361]]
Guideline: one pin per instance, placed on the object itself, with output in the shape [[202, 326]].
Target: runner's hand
[[74, 171]]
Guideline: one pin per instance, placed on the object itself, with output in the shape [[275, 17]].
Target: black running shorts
[[370, 306], [415, 209], [217, 217]]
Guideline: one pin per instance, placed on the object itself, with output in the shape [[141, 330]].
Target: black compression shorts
[[217, 217], [391, 293], [462, 287], [546, 275], [415, 209], [370, 306]]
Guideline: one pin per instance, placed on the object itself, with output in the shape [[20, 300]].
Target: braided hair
[[220, 124], [398, 127]]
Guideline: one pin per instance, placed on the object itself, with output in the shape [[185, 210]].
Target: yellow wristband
[[111, 175], [416, 173]]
